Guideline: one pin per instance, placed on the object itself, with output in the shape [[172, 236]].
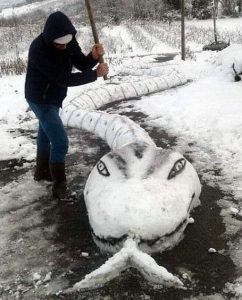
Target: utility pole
[[183, 50], [214, 10]]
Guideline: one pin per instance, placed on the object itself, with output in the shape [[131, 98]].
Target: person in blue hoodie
[[52, 56]]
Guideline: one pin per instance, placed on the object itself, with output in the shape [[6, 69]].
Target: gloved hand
[[102, 70], [97, 51]]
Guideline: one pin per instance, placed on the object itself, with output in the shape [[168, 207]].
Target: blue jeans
[[52, 138]]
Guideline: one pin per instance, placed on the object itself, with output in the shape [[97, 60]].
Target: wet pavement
[[65, 227], [166, 57]]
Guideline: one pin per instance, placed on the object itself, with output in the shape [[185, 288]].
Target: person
[[52, 56]]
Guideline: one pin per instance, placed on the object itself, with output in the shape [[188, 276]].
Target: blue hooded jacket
[[49, 70]]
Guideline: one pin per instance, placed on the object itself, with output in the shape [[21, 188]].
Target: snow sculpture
[[138, 196], [94, 99]]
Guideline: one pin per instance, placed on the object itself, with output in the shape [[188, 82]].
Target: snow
[[209, 111], [128, 256], [36, 276], [222, 23], [206, 112], [12, 114], [28, 8], [155, 45], [163, 205], [8, 3], [212, 250]]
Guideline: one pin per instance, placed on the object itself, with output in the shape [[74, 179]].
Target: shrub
[[12, 67]]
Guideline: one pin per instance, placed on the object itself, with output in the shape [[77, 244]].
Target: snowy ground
[[222, 23], [7, 3], [47, 5], [42, 254]]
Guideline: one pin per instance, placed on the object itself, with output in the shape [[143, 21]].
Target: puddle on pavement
[[165, 57], [11, 169]]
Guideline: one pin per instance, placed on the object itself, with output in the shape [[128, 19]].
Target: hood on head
[[57, 25]]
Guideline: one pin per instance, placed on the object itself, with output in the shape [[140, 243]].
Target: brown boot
[[59, 189], [42, 170]]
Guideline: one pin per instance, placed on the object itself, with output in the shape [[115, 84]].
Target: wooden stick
[[94, 30]]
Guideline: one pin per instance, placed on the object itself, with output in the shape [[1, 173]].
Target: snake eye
[[102, 169], [178, 167]]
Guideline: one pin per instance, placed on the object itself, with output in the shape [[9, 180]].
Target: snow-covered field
[[7, 3], [222, 23], [48, 5], [204, 114]]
